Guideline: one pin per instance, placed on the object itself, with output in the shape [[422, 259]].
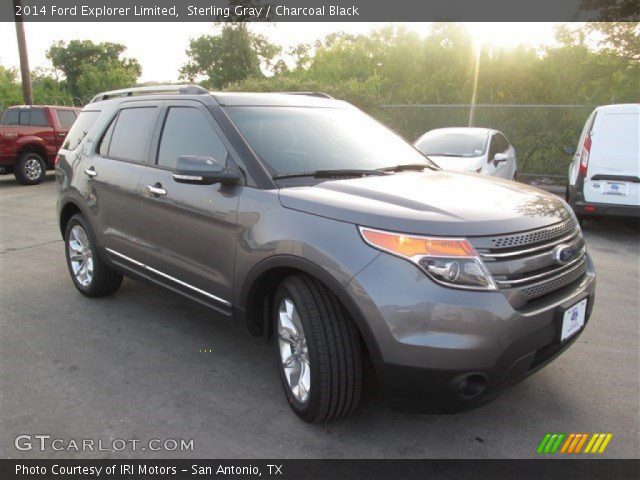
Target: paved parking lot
[[133, 367]]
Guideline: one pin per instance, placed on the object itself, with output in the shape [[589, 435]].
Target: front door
[[190, 230]]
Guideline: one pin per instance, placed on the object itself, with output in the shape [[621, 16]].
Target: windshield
[[307, 139], [453, 144]]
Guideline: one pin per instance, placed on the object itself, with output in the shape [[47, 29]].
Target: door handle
[[156, 189], [91, 172]]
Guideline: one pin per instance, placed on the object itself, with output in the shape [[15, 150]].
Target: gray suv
[[302, 219]]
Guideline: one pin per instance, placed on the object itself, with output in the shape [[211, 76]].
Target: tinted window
[[11, 117], [499, 144], [66, 118], [188, 132], [80, 128], [24, 117], [106, 139], [453, 143], [132, 133], [37, 118], [303, 139], [503, 143]]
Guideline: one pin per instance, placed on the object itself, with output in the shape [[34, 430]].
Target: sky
[[160, 47]]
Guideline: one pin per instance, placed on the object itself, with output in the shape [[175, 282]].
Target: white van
[[604, 174]]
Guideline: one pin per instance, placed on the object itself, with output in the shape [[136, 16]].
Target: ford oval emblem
[[563, 254]]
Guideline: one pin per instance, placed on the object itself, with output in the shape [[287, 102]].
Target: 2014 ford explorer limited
[[304, 220]]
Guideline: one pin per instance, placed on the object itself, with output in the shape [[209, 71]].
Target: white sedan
[[479, 150]]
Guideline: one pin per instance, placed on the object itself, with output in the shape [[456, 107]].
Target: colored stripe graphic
[[550, 443], [573, 443]]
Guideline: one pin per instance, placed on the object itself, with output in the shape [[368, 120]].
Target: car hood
[[458, 164], [430, 203]]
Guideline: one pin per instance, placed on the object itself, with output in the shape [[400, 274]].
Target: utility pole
[[24, 56], [472, 110]]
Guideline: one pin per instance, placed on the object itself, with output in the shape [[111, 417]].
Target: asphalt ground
[[146, 364]]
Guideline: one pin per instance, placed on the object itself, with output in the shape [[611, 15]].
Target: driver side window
[[499, 144], [187, 131]]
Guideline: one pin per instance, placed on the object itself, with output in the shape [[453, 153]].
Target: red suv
[[30, 137]]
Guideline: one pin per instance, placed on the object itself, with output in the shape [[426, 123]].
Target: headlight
[[449, 261]]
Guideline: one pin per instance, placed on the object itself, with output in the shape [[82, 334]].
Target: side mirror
[[204, 171], [569, 150], [500, 157]]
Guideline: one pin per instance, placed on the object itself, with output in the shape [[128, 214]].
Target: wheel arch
[[68, 210], [34, 147], [260, 284]]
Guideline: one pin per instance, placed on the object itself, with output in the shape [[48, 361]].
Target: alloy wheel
[[294, 352], [80, 255]]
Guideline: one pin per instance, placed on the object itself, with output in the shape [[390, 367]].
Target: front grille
[[536, 236], [524, 266], [556, 283]]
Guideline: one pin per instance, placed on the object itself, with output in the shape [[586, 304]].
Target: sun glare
[[507, 35]]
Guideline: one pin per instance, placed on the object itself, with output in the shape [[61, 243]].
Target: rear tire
[[30, 168], [91, 276], [330, 344]]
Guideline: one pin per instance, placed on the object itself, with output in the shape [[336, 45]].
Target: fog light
[[472, 386]]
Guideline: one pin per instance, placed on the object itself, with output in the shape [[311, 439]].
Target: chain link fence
[[539, 133], [53, 100]]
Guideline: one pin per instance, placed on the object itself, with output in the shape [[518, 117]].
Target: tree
[[10, 92], [619, 38], [100, 62], [231, 56]]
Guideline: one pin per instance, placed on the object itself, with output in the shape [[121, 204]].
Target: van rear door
[[613, 172]]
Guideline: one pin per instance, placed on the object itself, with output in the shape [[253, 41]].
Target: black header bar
[[320, 10]]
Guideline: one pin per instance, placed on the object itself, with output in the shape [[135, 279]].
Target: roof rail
[[310, 94], [151, 90]]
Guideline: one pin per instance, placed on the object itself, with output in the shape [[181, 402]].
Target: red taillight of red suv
[[584, 156]]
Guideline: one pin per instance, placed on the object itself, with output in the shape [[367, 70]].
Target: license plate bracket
[[571, 320], [615, 188]]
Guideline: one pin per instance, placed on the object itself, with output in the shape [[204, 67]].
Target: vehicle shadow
[[8, 181]]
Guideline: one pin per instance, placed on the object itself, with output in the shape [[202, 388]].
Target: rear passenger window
[[37, 118], [66, 118], [24, 117], [187, 131], [80, 128], [11, 117], [131, 134]]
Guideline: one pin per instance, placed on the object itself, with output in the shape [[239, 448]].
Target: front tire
[[318, 350], [30, 168], [91, 276]]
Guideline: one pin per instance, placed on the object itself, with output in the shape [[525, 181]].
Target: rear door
[[191, 230], [114, 172], [613, 171]]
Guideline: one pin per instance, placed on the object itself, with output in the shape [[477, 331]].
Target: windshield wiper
[[445, 154], [408, 166], [347, 172]]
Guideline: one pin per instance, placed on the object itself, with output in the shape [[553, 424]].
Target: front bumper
[[444, 350]]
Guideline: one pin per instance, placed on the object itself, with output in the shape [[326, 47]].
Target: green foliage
[[399, 66], [83, 62], [10, 91], [231, 56]]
